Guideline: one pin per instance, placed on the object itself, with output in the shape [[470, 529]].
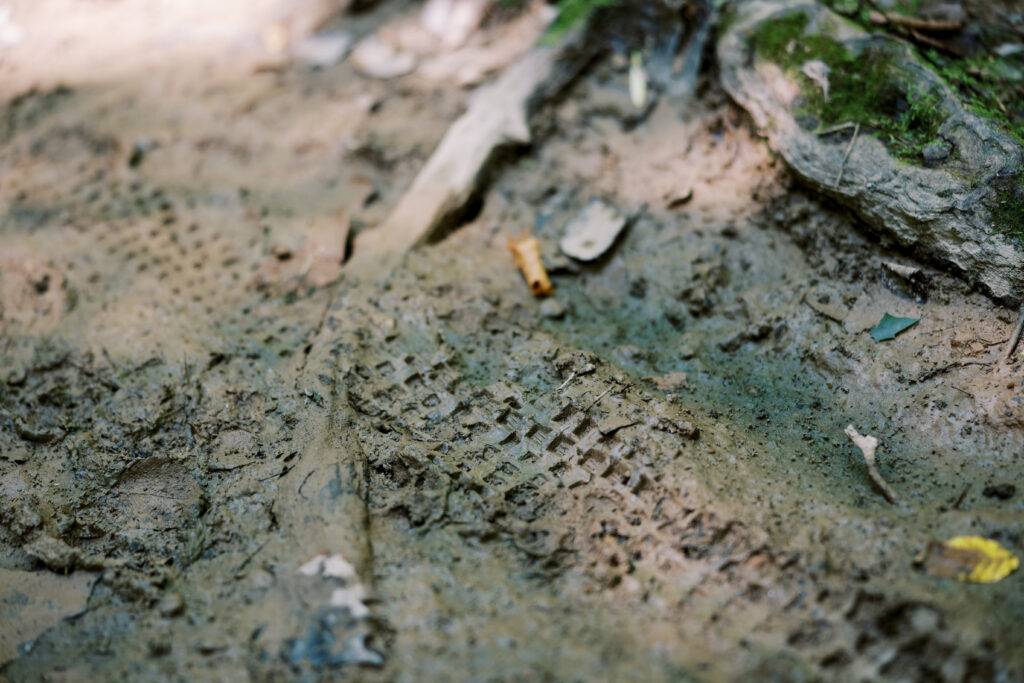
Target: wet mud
[[215, 466]]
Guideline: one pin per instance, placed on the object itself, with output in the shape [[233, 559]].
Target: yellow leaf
[[991, 561]]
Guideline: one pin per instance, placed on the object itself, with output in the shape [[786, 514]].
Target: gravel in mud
[[214, 467]]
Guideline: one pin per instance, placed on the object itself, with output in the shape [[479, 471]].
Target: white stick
[[868, 445]]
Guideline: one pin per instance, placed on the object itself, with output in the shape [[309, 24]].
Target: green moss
[[783, 41], [570, 14], [990, 86], [867, 88], [1008, 209]]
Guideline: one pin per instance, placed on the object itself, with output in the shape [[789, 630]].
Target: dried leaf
[[818, 72], [972, 559]]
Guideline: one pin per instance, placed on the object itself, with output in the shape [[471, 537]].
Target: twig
[[868, 445], [248, 558], [884, 15], [960, 498], [916, 23], [943, 369], [564, 384], [602, 395], [836, 128], [849, 148], [937, 44], [907, 32], [986, 343], [1015, 340]]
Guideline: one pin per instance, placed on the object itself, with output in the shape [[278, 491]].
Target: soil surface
[[223, 458]]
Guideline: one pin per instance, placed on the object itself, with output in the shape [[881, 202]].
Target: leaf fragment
[[890, 326], [972, 559]]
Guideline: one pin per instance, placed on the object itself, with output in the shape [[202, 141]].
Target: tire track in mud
[[586, 475]]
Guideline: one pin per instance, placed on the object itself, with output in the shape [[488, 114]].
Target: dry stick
[[849, 148], [1015, 340], [960, 498], [564, 384], [836, 128], [868, 445], [907, 32], [498, 115], [916, 23], [937, 44]]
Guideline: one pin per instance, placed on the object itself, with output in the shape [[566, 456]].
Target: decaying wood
[[868, 445], [498, 115]]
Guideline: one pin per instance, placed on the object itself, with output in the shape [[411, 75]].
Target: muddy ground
[[213, 466]]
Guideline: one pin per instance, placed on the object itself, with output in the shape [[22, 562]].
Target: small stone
[[1000, 491], [593, 231], [552, 309], [377, 59], [323, 49], [936, 151], [171, 605]]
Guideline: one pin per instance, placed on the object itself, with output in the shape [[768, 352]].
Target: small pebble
[[171, 605], [553, 309]]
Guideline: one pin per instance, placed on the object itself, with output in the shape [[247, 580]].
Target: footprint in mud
[[153, 497]]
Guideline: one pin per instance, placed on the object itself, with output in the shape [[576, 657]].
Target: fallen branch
[[916, 23], [498, 115], [868, 445]]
